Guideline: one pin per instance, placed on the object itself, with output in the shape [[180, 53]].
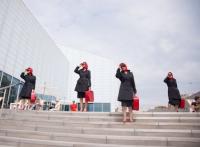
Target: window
[[106, 107], [1, 92], [98, 107], [14, 90], [90, 107], [6, 81]]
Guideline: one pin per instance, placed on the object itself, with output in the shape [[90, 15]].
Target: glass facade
[[98, 107], [14, 91], [24, 43], [11, 93]]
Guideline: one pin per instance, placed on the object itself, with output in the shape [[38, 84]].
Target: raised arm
[[166, 80], [22, 75], [77, 70], [118, 74]]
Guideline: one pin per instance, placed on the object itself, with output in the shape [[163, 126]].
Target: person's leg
[[26, 105], [81, 104], [86, 104], [124, 113], [130, 113], [176, 108], [22, 104]]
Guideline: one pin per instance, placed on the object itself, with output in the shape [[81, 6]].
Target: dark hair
[[122, 65], [170, 73], [196, 98]]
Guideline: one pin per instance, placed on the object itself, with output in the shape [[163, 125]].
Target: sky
[[152, 36]]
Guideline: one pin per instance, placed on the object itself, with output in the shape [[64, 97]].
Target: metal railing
[[5, 91]]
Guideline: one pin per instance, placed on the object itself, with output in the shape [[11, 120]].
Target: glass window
[[98, 107], [0, 76], [106, 107], [90, 107], [6, 81], [1, 92], [14, 90], [65, 107]]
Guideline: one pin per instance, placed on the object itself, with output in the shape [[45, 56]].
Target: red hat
[[30, 70]]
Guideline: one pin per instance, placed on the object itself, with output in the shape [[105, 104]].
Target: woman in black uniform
[[173, 92], [28, 87], [127, 89], [83, 83]]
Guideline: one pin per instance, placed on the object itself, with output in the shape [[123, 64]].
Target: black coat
[[127, 87], [173, 92], [28, 86], [84, 82]]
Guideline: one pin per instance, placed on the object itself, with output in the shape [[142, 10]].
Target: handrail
[[9, 86], [5, 90]]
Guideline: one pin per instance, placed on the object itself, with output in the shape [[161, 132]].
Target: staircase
[[92, 129]]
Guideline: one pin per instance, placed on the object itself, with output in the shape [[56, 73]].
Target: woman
[[28, 87], [173, 92], [127, 90], [83, 83]]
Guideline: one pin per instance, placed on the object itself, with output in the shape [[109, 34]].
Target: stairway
[[92, 129]]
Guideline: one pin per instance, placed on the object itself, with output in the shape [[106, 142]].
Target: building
[[24, 43]]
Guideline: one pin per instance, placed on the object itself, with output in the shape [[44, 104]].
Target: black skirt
[[174, 102], [80, 94], [127, 103]]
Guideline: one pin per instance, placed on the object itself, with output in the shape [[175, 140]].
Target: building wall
[[24, 43]]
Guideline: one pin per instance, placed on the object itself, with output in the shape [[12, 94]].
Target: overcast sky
[[152, 36]]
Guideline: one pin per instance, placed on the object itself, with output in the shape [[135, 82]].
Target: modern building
[[24, 43]]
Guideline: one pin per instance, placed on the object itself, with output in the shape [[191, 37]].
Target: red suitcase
[[136, 103], [182, 103], [89, 96], [33, 97]]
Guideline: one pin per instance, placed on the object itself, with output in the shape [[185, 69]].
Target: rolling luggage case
[[182, 103], [136, 104]]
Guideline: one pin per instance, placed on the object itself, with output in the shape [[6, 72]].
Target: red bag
[[89, 96], [73, 107], [136, 104], [182, 103], [33, 97]]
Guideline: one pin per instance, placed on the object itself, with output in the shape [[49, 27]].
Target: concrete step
[[119, 114], [103, 139], [40, 128], [106, 131], [66, 124], [24, 142], [101, 118], [6, 146]]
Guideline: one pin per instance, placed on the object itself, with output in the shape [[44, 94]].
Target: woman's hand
[[80, 66]]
